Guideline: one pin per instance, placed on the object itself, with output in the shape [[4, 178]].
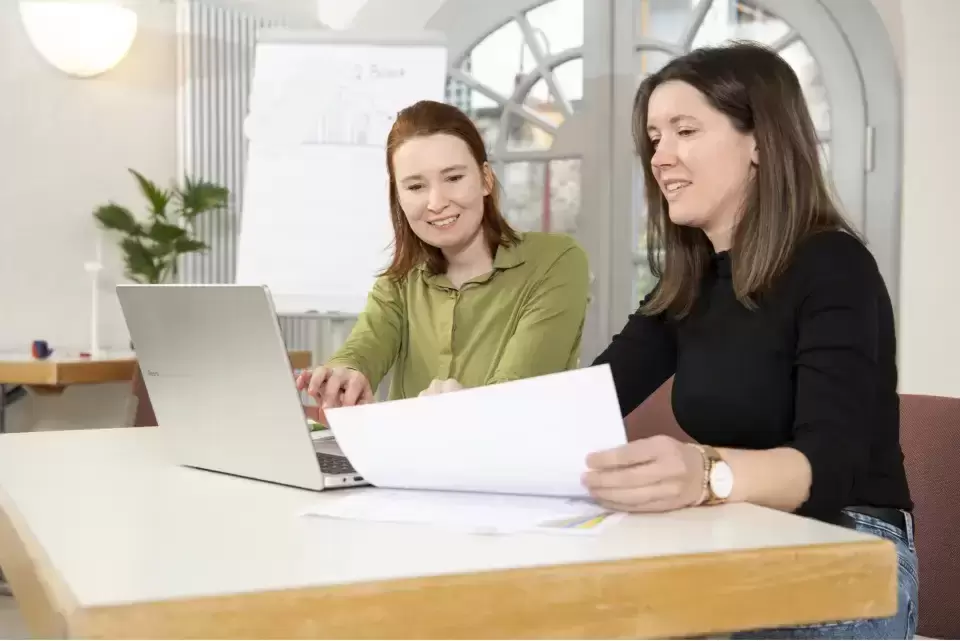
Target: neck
[[469, 261], [721, 239], [720, 234]]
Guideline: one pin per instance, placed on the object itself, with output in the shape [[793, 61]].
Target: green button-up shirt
[[524, 318]]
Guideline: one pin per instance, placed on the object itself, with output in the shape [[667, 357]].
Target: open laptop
[[222, 386]]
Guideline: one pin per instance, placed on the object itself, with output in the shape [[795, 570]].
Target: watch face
[[721, 480]]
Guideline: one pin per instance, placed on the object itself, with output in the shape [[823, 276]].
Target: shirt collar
[[507, 257]]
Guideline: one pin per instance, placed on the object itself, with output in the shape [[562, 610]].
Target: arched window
[[551, 85]]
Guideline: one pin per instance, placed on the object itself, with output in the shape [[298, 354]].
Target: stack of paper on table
[[500, 458]]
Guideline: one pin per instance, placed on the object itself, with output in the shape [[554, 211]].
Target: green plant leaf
[[165, 232], [199, 196], [157, 197], [119, 218], [162, 250], [139, 261], [187, 245]]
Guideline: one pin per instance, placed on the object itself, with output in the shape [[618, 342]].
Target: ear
[[488, 178], [754, 152]]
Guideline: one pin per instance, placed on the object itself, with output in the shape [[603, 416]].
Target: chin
[[685, 219]]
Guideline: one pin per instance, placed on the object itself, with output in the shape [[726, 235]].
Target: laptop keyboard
[[334, 464]]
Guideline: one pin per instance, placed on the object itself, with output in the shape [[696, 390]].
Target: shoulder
[[546, 248], [391, 288], [824, 249], [834, 257], [832, 268]]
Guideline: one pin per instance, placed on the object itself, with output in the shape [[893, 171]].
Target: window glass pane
[[646, 62], [501, 59], [663, 19], [542, 196], [644, 282], [560, 23], [727, 20], [484, 112], [814, 90], [526, 136]]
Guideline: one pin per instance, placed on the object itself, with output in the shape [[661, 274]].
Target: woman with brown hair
[[770, 314], [466, 301]]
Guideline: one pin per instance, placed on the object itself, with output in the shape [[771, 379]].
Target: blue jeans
[[902, 625]]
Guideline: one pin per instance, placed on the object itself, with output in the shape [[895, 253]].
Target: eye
[[455, 178], [654, 142], [414, 187], [686, 132]]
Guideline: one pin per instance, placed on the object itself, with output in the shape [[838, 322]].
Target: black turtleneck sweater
[[814, 368]]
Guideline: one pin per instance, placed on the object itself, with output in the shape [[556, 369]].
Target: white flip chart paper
[[527, 437]]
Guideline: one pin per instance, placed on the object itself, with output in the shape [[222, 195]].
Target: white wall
[[66, 145], [929, 286]]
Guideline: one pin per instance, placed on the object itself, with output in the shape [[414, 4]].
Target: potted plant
[[152, 246]]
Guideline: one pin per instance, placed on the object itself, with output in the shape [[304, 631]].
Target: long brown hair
[[787, 200], [426, 118]]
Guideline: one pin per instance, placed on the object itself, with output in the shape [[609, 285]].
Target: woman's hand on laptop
[[336, 386]]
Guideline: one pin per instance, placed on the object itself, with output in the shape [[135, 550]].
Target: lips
[[674, 187], [443, 223]]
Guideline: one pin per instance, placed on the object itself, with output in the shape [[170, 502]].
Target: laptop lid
[[220, 380]]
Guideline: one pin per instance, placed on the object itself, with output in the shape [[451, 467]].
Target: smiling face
[[441, 190], [702, 163]]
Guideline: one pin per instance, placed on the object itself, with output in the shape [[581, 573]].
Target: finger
[[367, 396], [432, 388], [331, 390], [641, 498], [652, 506], [449, 385], [353, 389], [641, 475], [303, 379], [633, 453], [317, 378]]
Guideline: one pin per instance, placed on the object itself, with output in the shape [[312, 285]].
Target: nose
[[437, 199], [664, 155]]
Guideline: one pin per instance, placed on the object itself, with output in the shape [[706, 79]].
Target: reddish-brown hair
[[426, 118]]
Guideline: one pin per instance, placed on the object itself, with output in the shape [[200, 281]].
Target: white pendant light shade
[[79, 37]]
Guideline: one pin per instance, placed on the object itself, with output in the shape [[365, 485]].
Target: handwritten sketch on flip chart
[[316, 222]]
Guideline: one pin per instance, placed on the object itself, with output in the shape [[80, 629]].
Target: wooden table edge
[[44, 601], [675, 596], [53, 373]]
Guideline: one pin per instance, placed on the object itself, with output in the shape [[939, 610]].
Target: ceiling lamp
[[82, 38]]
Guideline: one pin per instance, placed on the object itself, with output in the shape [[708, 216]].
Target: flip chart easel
[[315, 219]]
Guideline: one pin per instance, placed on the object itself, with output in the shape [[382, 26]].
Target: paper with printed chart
[[497, 452]]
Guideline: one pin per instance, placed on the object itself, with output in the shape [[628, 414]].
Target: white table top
[[122, 524]]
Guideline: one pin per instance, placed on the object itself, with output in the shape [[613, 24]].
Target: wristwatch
[[717, 477]]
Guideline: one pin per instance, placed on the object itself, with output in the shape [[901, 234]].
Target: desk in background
[[54, 374], [120, 543]]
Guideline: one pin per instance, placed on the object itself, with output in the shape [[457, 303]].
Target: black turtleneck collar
[[720, 264]]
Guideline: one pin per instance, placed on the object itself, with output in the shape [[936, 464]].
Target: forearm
[[371, 359], [779, 478]]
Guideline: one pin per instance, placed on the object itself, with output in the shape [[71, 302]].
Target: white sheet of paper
[[528, 437], [468, 511]]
